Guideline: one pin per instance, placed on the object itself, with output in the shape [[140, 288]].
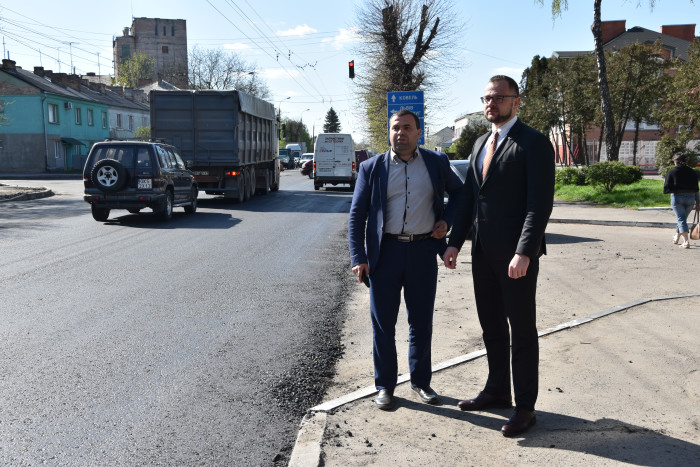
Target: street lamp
[[301, 117], [279, 107]]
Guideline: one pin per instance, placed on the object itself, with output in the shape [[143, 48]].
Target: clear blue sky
[[315, 42]]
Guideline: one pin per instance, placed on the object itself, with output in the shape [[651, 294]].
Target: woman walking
[[682, 183]]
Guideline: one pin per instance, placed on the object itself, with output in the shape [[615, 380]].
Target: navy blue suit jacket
[[366, 222]]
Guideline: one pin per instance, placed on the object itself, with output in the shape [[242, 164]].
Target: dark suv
[[133, 175]]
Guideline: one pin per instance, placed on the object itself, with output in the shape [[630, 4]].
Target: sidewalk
[[619, 314]]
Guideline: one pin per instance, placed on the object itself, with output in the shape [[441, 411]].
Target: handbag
[[695, 227]]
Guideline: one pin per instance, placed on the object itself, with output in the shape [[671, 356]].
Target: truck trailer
[[227, 138]]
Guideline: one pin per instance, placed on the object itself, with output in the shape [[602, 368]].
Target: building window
[[165, 33], [165, 49], [104, 119], [126, 52], [156, 29], [172, 31], [143, 121], [57, 149], [131, 122], [78, 117], [53, 113], [91, 121], [119, 120]]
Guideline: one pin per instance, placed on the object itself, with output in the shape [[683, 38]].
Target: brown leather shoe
[[385, 399], [486, 401], [520, 422]]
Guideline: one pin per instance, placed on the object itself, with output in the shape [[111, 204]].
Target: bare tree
[[215, 69], [407, 45]]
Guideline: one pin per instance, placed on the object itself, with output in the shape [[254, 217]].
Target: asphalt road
[[197, 341]]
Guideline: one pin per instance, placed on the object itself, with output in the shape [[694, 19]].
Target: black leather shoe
[[486, 401], [426, 394], [385, 399], [520, 422]]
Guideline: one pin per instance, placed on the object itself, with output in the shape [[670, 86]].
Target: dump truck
[[228, 139]]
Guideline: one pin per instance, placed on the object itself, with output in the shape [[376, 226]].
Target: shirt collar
[[505, 128], [395, 158]]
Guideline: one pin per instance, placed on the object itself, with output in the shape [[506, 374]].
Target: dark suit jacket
[[509, 211], [366, 222]]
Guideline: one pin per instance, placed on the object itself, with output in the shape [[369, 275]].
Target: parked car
[[307, 168], [134, 175], [307, 156], [459, 167]]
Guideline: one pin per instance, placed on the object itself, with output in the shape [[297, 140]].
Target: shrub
[[634, 174], [668, 146], [607, 174], [570, 176]]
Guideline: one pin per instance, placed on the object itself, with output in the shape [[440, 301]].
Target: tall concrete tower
[[165, 40]]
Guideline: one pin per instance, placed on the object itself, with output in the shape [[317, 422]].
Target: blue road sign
[[409, 100]]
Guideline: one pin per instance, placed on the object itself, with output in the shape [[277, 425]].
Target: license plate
[[144, 183], [201, 172]]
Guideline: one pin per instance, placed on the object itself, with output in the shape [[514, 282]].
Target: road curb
[[658, 225], [40, 193], [307, 449]]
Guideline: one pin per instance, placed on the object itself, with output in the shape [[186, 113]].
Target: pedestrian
[[506, 203], [396, 229], [682, 183]]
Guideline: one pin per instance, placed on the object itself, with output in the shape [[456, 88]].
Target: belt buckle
[[405, 237]]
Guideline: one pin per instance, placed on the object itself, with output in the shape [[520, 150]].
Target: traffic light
[[351, 69]]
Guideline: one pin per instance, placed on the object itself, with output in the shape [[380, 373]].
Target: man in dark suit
[[396, 230], [506, 203]]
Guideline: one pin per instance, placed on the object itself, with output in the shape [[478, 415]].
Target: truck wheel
[[265, 188], [99, 214], [316, 187], [241, 189], [251, 184], [166, 212]]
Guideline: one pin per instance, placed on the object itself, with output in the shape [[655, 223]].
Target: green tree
[[142, 132], [636, 77], [682, 107], [605, 96], [332, 124], [464, 145], [138, 67], [408, 45], [297, 132]]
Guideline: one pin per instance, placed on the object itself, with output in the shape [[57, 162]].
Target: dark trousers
[[411, 266], [501, 301]]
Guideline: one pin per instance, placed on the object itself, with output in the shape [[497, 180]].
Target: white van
[[334, 160]]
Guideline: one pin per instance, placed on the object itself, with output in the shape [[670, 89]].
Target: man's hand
[[518, 266], [439, 229], [450, 257], [359, 269]]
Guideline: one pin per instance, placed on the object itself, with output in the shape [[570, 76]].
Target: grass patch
[[644, 193]]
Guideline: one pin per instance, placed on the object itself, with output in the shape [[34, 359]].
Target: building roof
[[107, 97], [639, 35]]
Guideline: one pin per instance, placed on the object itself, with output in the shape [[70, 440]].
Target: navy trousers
[[411, 267]]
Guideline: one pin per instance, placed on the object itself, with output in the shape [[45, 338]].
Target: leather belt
[[408, 237]]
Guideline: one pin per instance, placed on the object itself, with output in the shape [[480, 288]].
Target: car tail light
[[93, 198], [144, 198], [232, 173]]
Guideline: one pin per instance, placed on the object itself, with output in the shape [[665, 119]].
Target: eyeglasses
[[496, 99]]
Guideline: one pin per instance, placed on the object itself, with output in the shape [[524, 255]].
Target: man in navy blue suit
[[396, 230]]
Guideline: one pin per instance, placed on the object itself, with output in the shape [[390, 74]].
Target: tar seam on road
[[369, 390]]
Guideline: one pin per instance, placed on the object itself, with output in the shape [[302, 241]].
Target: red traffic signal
[[351, 69]]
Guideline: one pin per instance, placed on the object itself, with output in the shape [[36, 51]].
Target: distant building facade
[[164, 40]]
